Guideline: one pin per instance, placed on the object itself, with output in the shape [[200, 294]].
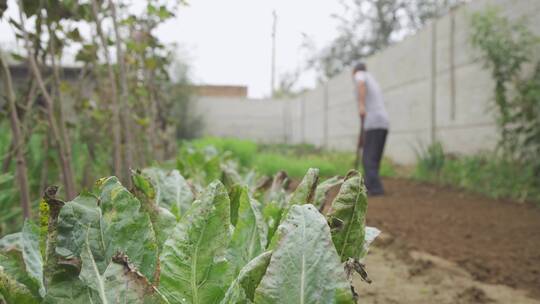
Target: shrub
[[506, 47]]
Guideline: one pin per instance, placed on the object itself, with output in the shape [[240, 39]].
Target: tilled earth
[[446, 245]]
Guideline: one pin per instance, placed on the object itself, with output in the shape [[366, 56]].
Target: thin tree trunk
[[123, 92], [17, 140], [30, 96], [117, 135], [65, 161]]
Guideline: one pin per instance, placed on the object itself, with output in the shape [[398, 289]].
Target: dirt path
[[410, 277], [480, 243]]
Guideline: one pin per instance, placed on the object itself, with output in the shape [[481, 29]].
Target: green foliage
[[305, 192], [154, 99], [524, 130], [305, 267], [194, 268], [488, 174], [294, 159], [171, 190], [506, 47], [118, 283], [243, 150], [347, 218], [117, 246], [430, 159], [249, 237], [243, 288]]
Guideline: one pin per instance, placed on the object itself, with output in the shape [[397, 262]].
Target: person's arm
[[362, 98]]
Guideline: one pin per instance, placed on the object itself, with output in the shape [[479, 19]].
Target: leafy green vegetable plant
[[177, 240]]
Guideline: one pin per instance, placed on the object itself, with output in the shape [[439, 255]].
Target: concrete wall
[[435, 88], [262, 120]]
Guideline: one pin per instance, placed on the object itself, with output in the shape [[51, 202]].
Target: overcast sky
[[229, 41]]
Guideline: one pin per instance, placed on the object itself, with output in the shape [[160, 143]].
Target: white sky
[[229, 41]]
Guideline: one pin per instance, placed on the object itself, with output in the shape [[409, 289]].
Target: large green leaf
[[242, 289], [118, 284], [305, 267], [10, 242], [235, 193], [12, 264], [163, 221], [68, 289], [193, 264], [272, 214], [91, 275], [249, 237], [305, 192], [172, 190], [127, 229], [275, 202], [80, 226], [13, 291], [78, 220], [347, 218], [115, 225], [32, 255], [230, 176], [21, 260]]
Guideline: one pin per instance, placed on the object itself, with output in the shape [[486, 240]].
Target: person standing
[[375, 122]]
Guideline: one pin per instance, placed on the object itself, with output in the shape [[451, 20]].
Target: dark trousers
[[371, 159]]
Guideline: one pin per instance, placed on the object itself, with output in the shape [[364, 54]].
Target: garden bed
[[495, 241]]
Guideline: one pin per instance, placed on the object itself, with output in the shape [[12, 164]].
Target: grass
[[487, 174], [294, 159]]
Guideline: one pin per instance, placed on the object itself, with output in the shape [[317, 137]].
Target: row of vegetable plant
[[220, 235]]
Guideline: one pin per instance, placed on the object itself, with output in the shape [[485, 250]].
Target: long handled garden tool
[[359, 145]]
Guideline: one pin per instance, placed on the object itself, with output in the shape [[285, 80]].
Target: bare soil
[[448, 246], [403, 276]]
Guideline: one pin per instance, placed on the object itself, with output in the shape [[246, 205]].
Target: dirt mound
[[473, 295], [497, 242]]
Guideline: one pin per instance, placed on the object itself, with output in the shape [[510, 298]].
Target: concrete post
[[303, 119], [286, 119], [452, 64], [433, 78], [325, 116]]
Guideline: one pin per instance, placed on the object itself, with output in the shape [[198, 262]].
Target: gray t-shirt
[[376, 115]]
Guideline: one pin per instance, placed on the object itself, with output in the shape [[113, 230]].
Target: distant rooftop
[[221, 90]]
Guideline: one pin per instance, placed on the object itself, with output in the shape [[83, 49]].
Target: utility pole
[[273, 68]]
